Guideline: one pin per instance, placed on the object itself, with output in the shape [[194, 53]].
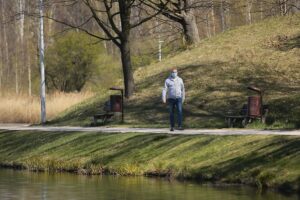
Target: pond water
[[23, 185]]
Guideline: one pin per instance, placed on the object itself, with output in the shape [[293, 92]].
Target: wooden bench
[[104, 117], [244, 118], [233, 119]]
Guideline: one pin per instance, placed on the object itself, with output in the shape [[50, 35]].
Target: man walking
[[174, 93]]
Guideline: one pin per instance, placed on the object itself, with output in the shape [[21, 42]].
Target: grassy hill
[[216, 74]]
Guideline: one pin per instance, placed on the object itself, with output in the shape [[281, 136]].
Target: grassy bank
[[263, 161], [216, 74]]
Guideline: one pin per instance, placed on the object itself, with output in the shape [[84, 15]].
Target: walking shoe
[[171, 129], [180, 128]]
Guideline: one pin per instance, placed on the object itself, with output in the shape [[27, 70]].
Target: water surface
[[23, 185]]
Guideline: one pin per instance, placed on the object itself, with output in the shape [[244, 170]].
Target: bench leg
[[264, 117], [244, 122], [95, 121], [104, 120], [229, 123]]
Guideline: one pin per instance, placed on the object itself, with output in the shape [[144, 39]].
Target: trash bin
[[254, 106], [116, 103]]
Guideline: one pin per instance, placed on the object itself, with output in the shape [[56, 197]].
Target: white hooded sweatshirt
[[174, 89]]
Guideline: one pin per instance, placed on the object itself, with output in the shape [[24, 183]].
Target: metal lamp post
[[42, 65]]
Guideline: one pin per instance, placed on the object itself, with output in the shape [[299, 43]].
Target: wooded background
[[176, 24]]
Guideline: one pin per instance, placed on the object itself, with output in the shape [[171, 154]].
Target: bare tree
[[107, 14], [182, 12], [295, 6]]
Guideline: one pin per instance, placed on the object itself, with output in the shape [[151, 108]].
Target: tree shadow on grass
[[83, 145], [213, 100], [140, 149], [290, 43], [150, 110], [18, 143], [212, 90], [251, 163]]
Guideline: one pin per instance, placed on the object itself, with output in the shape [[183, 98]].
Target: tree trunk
[[29, 37], [190, 29], [1, 54], [1, 64], [1, 75], [213, 18], [17, 42], [228, 14], [249, 9], [50, 22], [127, 68], [21, 63], [284, 7], [22, 19], [125, 26], [223, 23], [261, 4], [5, 42], [208, 26], [17, 77], [29, 75]]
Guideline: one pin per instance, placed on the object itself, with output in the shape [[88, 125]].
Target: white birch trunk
[[22, 18], [285, 7], [249, 9], [21, 63]]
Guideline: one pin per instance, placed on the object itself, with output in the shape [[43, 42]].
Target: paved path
[[26, 127]]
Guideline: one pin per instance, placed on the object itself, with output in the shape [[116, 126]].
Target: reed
[[26, 109]]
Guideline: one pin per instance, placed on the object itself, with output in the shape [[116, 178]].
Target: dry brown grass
[[26, 109]]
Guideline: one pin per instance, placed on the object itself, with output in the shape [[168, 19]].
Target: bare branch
[[102, 24]]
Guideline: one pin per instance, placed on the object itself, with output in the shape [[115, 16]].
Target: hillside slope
[[216, 74]]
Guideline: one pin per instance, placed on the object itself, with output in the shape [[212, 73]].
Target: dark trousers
[[178, 104]]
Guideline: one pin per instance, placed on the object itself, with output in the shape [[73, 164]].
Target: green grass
[[264, 161], [216, 74]]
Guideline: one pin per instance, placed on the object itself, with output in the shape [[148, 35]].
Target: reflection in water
[[25, 185]]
